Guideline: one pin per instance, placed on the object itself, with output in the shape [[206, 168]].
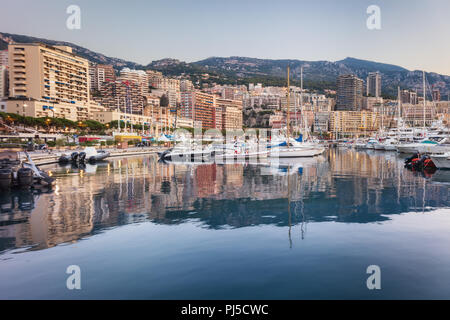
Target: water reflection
[[342, 186]]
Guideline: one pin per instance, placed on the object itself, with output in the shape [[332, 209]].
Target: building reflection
[[343, 186]]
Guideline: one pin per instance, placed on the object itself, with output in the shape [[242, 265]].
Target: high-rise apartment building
[[354, 122], [409, 96], [55, 74], [139, 77], [374, 84], [349, 93], [436, 94], [173, 97], [3, 81], [166, 84], [153, 77], [198, 106], [54, 78], [186, 85], [123, 94], [231, 112], [100, 73], [4, 58]]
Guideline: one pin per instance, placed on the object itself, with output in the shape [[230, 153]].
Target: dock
[[44, 158]]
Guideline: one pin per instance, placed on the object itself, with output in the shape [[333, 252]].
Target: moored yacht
[[425, 146], [390, 145], [371, 144], [441, 161]]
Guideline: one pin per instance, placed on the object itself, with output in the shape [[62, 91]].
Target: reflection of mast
[[289, 203], [302, 208], [423, 198]]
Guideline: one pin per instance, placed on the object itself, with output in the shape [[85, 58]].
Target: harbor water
[[300, 229]]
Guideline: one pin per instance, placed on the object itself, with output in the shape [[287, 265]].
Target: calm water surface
[[147, 230]]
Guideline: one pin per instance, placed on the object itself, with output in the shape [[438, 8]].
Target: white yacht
[[359, 144], [242, 151], [390, 145], [185, 152], [425, 146], [441, 161], [371, 144]]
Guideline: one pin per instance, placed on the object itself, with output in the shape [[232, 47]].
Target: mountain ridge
[[318, 75]]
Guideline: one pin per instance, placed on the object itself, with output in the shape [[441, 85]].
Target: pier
[[44, 158]]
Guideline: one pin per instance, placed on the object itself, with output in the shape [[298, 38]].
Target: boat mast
[[398, 112], [288, 102], [424, 103], [118, 114], [302, 113]]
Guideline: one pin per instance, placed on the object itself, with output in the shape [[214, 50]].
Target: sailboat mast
[[302, 113], [288, 103], [398, 112], [424, 102]]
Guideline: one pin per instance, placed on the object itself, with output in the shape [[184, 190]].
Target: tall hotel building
[[199, 107], [51, 81], [349, 93], [100, 73], [374, 84]]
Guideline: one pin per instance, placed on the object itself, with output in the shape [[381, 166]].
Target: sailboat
[[426, 145], [293, 148]]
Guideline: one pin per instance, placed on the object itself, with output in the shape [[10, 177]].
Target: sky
[[413, 34]]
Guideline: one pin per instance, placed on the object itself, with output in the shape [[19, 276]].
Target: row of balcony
[[66, 61]]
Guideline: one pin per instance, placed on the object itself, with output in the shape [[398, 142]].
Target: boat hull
[[390, 147], [379, 147], [441, 161], [240, 156], [296, 152], [413, 148], [189, 156]]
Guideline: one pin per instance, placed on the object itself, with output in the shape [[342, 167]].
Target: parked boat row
[[281, 146], [89, 154]]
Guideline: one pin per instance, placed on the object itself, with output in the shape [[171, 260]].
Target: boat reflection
[[342, 186]]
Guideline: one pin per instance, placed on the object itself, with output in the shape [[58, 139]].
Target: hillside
[[318, 75], [85, 53], [324, 72]]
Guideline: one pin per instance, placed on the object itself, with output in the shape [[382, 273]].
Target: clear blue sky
[[414, 33]]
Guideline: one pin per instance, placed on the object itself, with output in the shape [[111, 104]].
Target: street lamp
[[47, 121]]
